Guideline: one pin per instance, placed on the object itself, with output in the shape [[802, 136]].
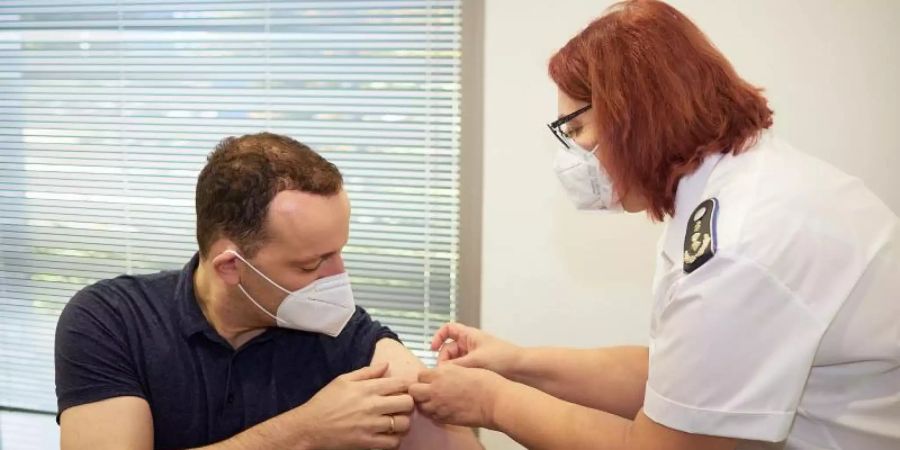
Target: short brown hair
[[243, 175], [663, 95]]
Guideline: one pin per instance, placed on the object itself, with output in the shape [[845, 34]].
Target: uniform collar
[[689, 194]]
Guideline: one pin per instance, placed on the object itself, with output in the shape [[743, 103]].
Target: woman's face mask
[[584, 179]]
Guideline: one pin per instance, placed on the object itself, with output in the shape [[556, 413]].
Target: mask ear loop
[[252, 300], [257, 271], [595, 159], [277, 320]]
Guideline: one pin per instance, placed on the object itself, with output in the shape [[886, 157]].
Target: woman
[[776, 316]]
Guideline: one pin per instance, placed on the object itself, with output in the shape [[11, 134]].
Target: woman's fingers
[[449, 350], [450, 330], [420, 392]]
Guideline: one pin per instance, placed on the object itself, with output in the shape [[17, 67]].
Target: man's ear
[[225, 265]]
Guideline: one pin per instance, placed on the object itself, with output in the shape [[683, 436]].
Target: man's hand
[[424, 433], [356, 410], [471, 347], [457, 395]]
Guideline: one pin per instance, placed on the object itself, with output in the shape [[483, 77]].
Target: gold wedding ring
[[393, 430]]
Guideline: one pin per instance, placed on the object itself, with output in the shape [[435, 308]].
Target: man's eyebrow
[[312, 259], [305, 261]]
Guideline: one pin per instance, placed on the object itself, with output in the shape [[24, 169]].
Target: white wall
[[553, 276]]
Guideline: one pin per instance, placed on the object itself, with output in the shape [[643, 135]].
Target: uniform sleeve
[[354, 347], [92, 359], [731, 353]]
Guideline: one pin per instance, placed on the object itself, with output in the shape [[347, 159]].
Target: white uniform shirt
[[790, 333]]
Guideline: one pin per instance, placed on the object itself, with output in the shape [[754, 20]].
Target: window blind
[[109, 108]]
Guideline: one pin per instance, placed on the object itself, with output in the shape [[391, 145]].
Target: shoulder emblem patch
[[700, 239]]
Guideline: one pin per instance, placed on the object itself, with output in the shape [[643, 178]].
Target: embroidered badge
[[700, 238]]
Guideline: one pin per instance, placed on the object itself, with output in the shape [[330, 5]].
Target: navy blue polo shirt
[[145, 336]]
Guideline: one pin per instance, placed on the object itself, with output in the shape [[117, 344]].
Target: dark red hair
[[663, 96]]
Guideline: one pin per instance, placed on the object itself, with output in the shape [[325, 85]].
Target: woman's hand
[[458, 396], [471, 347]]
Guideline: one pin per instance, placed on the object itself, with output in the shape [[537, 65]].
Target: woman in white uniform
[[776, 321]]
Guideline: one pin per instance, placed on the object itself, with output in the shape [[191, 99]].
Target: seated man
[[256, 343]]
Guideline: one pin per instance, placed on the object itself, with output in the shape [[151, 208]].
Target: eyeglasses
[[556, 126]]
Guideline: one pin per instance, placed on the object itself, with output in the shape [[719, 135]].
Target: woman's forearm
[[539, 421], [549, 423], [610, 379]]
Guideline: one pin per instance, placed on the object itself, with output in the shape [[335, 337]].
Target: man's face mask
[[324, 306]]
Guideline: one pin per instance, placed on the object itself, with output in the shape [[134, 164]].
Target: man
[[256, 343]]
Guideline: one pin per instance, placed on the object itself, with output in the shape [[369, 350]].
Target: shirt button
[[230, 398]]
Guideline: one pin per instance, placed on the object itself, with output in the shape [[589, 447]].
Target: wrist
[[296, 424], [500, 393], [515, 368]]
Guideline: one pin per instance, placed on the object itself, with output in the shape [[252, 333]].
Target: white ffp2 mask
[[324, 306], [585, 181]]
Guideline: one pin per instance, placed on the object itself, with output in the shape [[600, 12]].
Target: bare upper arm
[[115, 423], [402, 363], [423, 432], [645, 434]]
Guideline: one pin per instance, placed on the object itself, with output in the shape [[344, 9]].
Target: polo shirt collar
[[191, 318]]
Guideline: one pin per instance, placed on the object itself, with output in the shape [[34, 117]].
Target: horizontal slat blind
[[109, 108]]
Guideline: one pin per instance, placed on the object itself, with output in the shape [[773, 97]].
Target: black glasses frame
[[556, 125]]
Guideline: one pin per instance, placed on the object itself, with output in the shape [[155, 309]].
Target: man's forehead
[[308, 225]]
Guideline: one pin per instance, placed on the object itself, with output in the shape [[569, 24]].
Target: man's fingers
[[420, 392], [401, 424], [367, 373], [394, 404], [384, 441], [388, 386]]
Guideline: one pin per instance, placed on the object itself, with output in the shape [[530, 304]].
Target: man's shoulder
[[354, 346], [113, 298]]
